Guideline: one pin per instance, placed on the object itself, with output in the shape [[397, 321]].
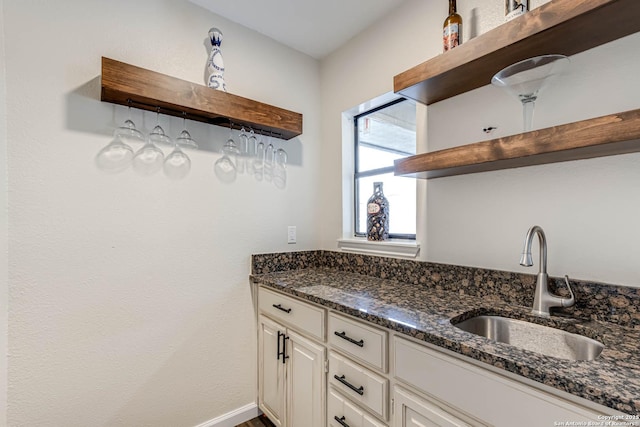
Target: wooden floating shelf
[[602, 136], [149, 90], [561, 26]]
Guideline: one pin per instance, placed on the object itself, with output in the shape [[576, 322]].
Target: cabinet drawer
[[359, 384], [491, 398], [413, 411], [303, 317], [365, 343], [341, 412]]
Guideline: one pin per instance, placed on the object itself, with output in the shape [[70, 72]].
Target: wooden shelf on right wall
[[560, 26], [564, 27], [602, 136]]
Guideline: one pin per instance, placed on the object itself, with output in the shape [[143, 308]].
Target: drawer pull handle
[[344, 336], [359, 390], [279, 307], [341, 421]]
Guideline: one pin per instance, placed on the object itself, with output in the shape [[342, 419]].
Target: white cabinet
[[292, 378], [306, 382], [343, 413], [378, 377], [272, 371], [359, 384], [479, 393], [304, 318], [409, 410], [366, 344]]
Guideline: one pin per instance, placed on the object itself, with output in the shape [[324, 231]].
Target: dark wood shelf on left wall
[[149, 90]]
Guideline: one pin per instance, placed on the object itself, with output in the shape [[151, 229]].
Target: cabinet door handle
[[359, 390], [344, 336], [279, 352], [280, 307], [284, 348], [341, 421]]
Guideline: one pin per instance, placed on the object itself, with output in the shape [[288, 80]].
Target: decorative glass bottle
[[377, 215], [515, 8], [215, 65]]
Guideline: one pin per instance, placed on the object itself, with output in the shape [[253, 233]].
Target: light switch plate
[[291, 234]]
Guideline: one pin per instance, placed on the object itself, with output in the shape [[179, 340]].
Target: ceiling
[[315, 27]]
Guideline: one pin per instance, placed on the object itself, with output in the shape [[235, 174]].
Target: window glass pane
[[373, 157], [385, 135], [401, 194]]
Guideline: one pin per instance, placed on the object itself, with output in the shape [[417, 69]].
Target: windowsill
[[396, 248]]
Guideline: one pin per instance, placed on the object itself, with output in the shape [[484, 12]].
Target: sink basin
[[533, 337]]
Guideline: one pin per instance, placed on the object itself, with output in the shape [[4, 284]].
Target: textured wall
[[587, 207], [129, 297], [3, 227]]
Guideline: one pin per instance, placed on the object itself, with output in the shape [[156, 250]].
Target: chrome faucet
[[543, 299]]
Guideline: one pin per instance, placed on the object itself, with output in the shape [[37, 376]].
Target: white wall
[[588, 208], [3, 228], [129, 300]]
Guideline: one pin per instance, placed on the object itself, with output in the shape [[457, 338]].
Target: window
[[382, 135]]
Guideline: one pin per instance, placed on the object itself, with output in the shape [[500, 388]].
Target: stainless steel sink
[[533, 337]]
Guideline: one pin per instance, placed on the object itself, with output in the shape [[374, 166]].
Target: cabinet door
[[271, 384], [413, 411], [306, 382]]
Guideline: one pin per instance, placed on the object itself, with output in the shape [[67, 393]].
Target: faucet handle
[[568, 302]]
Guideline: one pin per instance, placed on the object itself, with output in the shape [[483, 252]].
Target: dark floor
[[261, 421]]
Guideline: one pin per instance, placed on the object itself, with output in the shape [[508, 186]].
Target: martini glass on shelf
[[525, 80]]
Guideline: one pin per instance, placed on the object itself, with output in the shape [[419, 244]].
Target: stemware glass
[[116, 156], [268, 162], [280, 169], [258, 161], [525, 80], [224, 167], [242, 151], [252, 143], [251, 152], [177, 164], [149, 159]]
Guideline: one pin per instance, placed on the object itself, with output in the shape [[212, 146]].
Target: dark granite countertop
[[425, 313]]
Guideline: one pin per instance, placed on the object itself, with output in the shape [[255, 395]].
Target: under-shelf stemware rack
[[137, 87]]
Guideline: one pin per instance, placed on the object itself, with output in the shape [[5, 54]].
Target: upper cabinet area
[[148, 90], [561, 26]]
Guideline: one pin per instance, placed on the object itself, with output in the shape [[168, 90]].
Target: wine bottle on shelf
[[452, 28], [513, 8]]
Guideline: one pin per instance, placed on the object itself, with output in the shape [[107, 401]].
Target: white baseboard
[[233, 418]]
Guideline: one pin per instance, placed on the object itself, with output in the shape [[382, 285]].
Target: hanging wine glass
[[269, 154], [251, 152], [525, 79], [177, 164], [280, 169], [116, 156], [225, 167], [258, 161], [242, 151], [149, 159], [252, 143]]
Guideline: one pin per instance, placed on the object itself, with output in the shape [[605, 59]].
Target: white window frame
[[400, 248]]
